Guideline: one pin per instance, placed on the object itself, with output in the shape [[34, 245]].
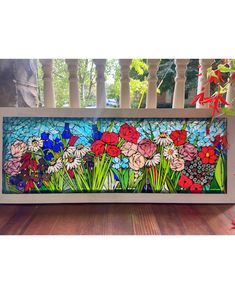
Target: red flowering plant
[[220, 85]]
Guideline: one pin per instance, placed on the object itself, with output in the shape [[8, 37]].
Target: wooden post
[[152, 83], [73, 82], [205, 64], [179, 90], [125, 83], [49, 98], [230, 97], [100, 83]]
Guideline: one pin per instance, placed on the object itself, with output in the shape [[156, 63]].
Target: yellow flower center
[[170, 151], [79, 147], [163, 135], [70, 159], [35, 143], [207, 154]]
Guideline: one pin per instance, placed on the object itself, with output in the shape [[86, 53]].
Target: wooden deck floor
[[116, 219]]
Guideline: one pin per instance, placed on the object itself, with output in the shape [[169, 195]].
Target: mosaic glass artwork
[[151, 155]]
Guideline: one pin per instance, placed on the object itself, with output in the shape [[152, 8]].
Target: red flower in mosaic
[[185, 182], [179, 137], [110, 138], [29, 185], [130, 134], [113, 151], [28, 162], [221, 140], [98, 147], [208, 155], [196, 188], [72, 140], [71, 173]]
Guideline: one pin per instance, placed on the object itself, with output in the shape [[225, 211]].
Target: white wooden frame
[[228, 197]]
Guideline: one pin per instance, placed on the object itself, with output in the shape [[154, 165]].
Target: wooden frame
[[228, 197]]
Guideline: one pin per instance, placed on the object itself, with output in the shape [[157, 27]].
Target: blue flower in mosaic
[[57, 145], [96, 134], [20, 185], [117, 162], [14, 180], [39, 184], [47, 142], [66, 133], [48, 155]]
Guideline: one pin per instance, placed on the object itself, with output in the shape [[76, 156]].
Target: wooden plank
[[116, 219], [119, 220], [144, 221], [95, 220], [18, 222], [6, 212], [44, 220], [217, 220], [228, 210], [167, 219], [192, 221]]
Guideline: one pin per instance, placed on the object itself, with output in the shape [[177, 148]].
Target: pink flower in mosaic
[[128, 148], [18, 148], [147, 148], [177, 164], [188, 151], [12, 166], [136, 161]]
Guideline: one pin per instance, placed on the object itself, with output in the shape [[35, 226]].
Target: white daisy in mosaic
[[155, 160], [69, 151], [170, 152], [72, 162], [35, 143], [55, 166], [81, 151], [163, 140]]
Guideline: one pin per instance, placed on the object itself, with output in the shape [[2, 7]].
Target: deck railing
[[178, 100]]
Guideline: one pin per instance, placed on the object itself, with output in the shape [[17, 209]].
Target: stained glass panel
[[150, 155]]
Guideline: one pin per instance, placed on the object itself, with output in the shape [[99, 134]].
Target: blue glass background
[[22, 128]]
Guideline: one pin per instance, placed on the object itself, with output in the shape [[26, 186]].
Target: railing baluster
[[100, 83], [152, 83], [125, 83], [205, 64], [230, 97], [179, 90], [73, 82], [49, 98]]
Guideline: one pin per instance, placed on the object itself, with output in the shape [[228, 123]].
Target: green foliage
[[61, 82], [219, 173]]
